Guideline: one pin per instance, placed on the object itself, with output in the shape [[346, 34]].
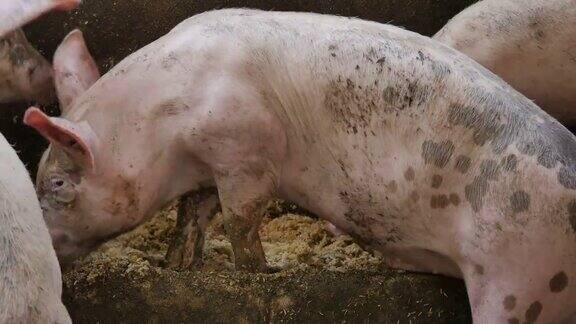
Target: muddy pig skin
[[30, 282], [407, 144], [531, 44], [24, 73]]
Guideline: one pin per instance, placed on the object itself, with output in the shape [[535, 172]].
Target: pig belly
[[380, 206]]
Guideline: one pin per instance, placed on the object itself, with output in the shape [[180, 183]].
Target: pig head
[[24, 73], [72, 147]]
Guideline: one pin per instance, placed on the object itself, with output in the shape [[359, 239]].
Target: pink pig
[[397, 139], [531, 44], [24, 73], [30, 279]]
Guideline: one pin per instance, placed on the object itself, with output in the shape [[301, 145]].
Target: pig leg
[[244, 201], [245, 167], [517, 284], [513, 299], [195, 210]]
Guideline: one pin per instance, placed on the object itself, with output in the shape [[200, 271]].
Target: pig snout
[[59, 240], [66, 245], [67, 249]]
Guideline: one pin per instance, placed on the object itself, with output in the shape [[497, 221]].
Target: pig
[[15, 13], [24, 73], [30, 283], [410, 146], [531, 44]]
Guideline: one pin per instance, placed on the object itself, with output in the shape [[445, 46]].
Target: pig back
[[28, 264]]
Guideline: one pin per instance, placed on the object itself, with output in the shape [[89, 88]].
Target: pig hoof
[[184, 255], [193, 264]]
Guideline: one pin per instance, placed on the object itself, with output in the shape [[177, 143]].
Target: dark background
[[115, 28]]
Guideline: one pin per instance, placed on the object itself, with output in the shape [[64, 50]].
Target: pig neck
[[168, 180], [164, 173]]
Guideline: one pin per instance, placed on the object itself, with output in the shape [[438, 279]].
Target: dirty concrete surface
[[324, 279]]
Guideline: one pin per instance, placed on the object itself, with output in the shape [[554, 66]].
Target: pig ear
[[16, 13], [74, 69], [77, 140]]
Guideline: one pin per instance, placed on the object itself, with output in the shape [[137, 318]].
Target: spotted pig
[[531, 44], [407, 144]]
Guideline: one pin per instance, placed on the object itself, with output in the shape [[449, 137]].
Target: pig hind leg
[[195, 211], [536, 290]]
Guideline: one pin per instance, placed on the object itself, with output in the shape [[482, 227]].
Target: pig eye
[[62, 190], [56, 183]]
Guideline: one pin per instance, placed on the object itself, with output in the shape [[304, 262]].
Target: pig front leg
[[245, 145], [244, 199], [195, 211]]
